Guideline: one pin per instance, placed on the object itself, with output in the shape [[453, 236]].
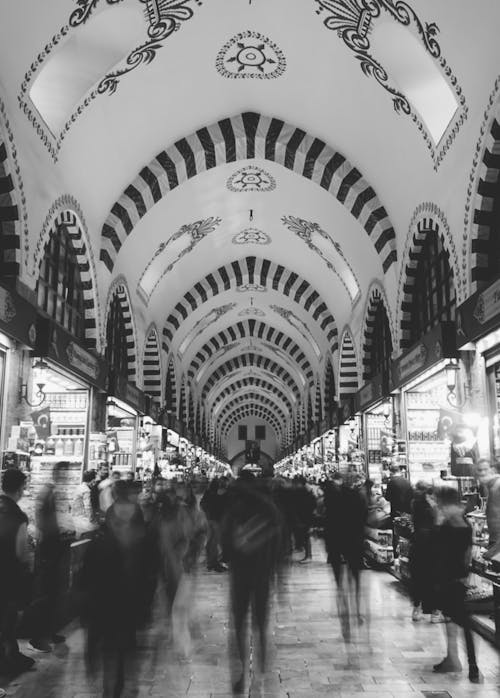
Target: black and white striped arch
[[242, 137]]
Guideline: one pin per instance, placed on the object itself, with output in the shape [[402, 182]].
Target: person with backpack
[[250, 540]]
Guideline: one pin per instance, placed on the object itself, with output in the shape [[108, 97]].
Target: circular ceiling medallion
[[251, 236], [251, 178], [255, 312], [250, 55]]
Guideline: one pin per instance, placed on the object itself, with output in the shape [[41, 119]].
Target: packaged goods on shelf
[[381, 554], [382, 537]]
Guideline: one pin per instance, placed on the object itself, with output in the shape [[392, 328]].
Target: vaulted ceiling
[[247, 168]]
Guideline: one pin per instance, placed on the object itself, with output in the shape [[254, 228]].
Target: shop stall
[[59, 393], [17, 330], [125, 406], [430, 421], [373, 405]]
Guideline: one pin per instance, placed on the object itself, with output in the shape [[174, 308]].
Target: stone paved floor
[[388, 655]]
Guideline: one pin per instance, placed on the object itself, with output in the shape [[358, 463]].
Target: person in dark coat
[[14, 571], [213, 505], [305, 504], [421, 561], [113, 579], [399, 492], [345, 521], [452, 546], [250, 538]]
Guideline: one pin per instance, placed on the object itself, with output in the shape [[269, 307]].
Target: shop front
[[17, 331], [478, 332], [125, 406], [434, 435], [59, 394], [373, 405]]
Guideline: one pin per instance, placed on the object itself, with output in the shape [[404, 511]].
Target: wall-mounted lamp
[[452, 369], [39, 379], [386, 410]]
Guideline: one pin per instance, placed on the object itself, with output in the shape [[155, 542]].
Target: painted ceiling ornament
[[253, 312], [251, 178], [251, 236], [299, 325], [204, 322], [250, 288], [85, 9], [164, 18], [194, 233], [353, 22], [250, 55], [307, 230]]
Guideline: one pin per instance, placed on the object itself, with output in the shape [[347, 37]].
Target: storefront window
[[434, 294], [59, 286]]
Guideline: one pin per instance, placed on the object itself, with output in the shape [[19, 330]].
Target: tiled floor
[[388, 655]]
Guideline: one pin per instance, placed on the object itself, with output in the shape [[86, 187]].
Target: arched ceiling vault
[[247, 197]]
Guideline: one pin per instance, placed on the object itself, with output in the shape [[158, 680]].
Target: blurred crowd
[[147, 542]]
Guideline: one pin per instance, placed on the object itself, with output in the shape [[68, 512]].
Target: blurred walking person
[[250, 536], [113, 579], [452, 546], [14, 571]]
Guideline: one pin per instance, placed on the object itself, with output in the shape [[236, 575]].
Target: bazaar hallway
[[388, 656]]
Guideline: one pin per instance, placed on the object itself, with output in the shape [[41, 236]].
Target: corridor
[[388, 656]]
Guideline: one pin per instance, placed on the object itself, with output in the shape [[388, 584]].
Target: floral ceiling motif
[[307, 231], [353, 22], [251, 178], [258, 288], [251, 235], [154, 272], [164, 17], [254, 312], [250, 55]]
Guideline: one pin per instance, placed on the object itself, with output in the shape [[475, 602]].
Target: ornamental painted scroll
[[353, 20]]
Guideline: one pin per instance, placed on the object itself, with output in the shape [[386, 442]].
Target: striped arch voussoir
[[255, 398], [253, 270], [151, 366], [10, 238], [75, 231], [254, 329], [483, 192], [375, 297], [420, 228], [120, 290], [348, 368], [242, 137], [249, 384], [250, 411], [247, 361]]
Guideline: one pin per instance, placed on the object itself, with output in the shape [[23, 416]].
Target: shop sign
[[439, 343], [57, 344], [479, 314], [17, 317], [371, 392], [128, 392]]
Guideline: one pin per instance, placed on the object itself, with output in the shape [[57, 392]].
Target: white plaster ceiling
[[321, 90]]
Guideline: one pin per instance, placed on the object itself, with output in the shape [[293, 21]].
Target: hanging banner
[[440, 343]]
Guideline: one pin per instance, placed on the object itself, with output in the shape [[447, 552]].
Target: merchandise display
[[428, 452]]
